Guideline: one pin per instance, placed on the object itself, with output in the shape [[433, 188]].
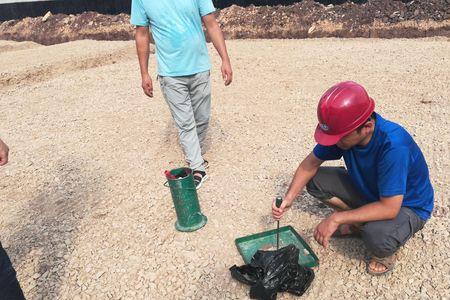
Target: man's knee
[[202, 121], [314, 191], [379, 238], [185, 125]]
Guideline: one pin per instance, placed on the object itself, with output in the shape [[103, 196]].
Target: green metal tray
[[248, 245]]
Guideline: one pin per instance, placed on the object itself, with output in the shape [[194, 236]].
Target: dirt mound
[[385, 18], [374, 18], [62, 28]]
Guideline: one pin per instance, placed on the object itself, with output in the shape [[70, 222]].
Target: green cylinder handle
[[166, 184]]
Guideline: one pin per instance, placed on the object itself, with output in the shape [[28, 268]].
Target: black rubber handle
[[278, 201]]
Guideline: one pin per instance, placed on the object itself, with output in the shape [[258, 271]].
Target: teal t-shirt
[[176, 27]]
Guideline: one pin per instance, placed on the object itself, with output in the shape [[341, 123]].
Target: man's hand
[[278, 212], [227, 72], [3, 153], [147, 85], [325, 229]]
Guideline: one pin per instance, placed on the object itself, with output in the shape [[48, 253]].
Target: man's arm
[[216, 35], [305, 171], [385, 209], [4, 150], [142, 36]]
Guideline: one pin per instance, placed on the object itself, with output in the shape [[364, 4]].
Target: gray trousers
[[189, 100], [382, 238]]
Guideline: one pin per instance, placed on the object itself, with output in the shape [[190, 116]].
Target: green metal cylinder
[[185, 200]]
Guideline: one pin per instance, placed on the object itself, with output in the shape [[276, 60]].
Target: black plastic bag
[[270, 272]]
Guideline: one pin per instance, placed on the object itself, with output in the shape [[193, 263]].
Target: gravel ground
[[84, 213]]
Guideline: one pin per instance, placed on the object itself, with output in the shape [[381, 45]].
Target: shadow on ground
[[349, 248], [49, 225]]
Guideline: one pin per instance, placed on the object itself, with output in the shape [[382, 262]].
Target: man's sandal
[[387, 262], [199, 178], [205, 164], [347, 231]]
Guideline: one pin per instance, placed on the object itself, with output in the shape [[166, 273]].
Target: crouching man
[[384, 194]]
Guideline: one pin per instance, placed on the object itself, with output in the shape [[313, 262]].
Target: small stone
[[394, 14], [99, 274], [46, 16]]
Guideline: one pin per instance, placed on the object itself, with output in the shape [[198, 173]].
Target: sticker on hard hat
[[324, 127]]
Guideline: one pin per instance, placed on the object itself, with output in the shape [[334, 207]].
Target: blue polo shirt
[[176, 27], [391, 164]]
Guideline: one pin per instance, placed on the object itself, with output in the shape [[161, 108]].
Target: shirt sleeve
[[205, 7], [393, 172], [138, 14], [327, 152]]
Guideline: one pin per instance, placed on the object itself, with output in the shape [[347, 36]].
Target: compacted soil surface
[[85, 214]]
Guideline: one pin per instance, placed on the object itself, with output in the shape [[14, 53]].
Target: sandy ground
[[84, 213]]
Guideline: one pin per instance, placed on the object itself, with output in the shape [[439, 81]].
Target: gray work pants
[[382, 238], [189, 100]]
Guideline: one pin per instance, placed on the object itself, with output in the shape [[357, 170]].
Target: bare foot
[[376, 267], [379, 266], [345, 230]]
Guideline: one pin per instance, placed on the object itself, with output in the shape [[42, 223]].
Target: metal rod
[[278, 202], [278, 235]]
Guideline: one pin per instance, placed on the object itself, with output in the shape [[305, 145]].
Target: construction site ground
[[85, 214]]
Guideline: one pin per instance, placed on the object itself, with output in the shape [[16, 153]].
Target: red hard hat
[[342, 109]]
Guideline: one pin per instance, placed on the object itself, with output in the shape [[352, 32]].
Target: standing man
[[9, 286], [183, 66], [384, 196]]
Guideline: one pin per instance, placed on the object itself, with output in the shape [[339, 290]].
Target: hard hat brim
[[326, 139]]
